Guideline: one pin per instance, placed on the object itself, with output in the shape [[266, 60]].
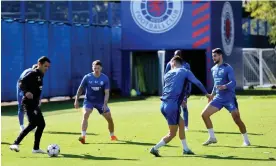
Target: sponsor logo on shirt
[[96, 88]]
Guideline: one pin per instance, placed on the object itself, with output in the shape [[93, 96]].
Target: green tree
[[265, 10]]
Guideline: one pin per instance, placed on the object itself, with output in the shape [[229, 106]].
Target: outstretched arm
[[189, 85], [195, 81]]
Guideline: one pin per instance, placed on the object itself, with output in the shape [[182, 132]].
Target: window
[[100, 12], [116, 13], [80, 11], [59, 11], [10, 9], [35, 10]]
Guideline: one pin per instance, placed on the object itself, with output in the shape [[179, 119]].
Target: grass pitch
[[139, 125]]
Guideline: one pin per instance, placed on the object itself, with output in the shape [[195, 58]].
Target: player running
[[187, 89], [223, 95], [96, 88], [172, 97]]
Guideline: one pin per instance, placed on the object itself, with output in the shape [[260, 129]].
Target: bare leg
[[206, 114], [237, 119], [84, 124], [109, 120], [181, 129]]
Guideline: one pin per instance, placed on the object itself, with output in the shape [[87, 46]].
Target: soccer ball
[[53, 150], [133, 93]]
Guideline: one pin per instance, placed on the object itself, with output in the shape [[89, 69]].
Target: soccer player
[[172, 97], [223, 95], [20, 96], [31, 85], [96, 88], [187, 89]]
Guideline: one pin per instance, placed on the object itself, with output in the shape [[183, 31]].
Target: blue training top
[[224, 75], [188, 87], [94, 87], [174, 82]]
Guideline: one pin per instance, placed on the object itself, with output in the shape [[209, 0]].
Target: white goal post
[[259, 67]]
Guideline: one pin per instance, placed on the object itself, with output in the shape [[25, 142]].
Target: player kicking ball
[[223, 95], [172, 97], [96, 87]]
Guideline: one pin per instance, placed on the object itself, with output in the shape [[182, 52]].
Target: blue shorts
[[171, 111], [230, 104], [99, 107], [19, 99]]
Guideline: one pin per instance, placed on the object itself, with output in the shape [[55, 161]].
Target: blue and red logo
[[156, 16], [227, 28]]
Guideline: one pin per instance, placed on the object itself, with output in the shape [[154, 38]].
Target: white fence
[[259, 67]]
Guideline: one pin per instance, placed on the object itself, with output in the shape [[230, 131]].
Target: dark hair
[[44, 59], [178, 59], [177, 53], [97, 62], [217, 51]]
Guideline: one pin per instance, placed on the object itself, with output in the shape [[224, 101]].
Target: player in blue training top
[[96, 88], [187, 89], [223, 95], [20, 95], [172, 97]]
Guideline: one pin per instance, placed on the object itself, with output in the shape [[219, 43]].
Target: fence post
[[90, 4], [161, 58], [110, 14], [22, 10], [70, 13], [47, 11], [261, 67]]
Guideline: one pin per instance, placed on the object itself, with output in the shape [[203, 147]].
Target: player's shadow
[[5, 143], [224, 132], [122, 142], [68, 133], [63, 105], [230, 158], [256, 92], [251, 146], [90, 157]]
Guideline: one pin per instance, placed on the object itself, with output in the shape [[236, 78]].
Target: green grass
[[139, 125]]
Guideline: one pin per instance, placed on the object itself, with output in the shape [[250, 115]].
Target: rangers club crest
[[227, 28], [156, 16]]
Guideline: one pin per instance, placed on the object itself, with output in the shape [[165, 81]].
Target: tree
[[264, 10]]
